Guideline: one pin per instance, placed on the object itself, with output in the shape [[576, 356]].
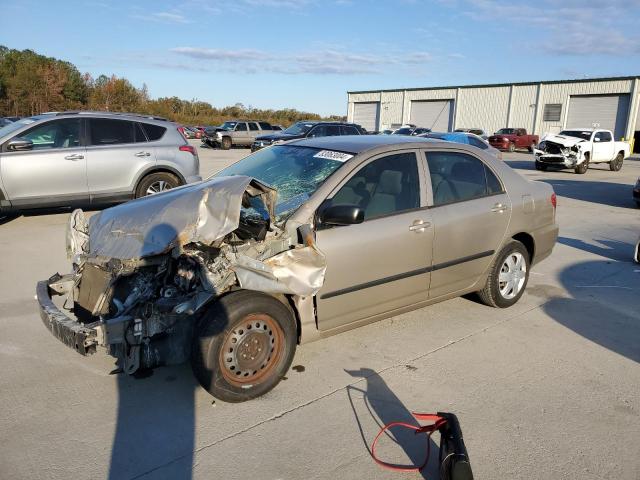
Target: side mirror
[[19, 144], [342, 215]]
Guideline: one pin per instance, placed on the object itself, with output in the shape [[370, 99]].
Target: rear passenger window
[[139, 135], [265, 126], [253, 127], [457, 177], [154, 132], [333, 130], [111, 132], [385, 186], [241, 127]]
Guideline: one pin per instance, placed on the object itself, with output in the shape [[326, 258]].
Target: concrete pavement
[[545, 389]]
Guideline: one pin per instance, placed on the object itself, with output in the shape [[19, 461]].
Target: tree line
[[31, 83]]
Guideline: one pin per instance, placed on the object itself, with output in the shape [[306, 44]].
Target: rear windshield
[[506, 131]]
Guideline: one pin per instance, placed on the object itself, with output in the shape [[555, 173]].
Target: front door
[[603, 147], [53, 172], [471, 212], [383, 263]]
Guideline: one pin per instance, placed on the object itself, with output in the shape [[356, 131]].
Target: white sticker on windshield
[[331, 155]]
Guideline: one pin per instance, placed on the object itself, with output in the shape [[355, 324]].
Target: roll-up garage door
[[434, 114], [599, 111], [366, 115]]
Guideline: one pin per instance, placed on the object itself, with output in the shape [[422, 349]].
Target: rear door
[[254, 131], [603, 146], [471, 211], [54, 172], [117, 152], [382, 264]]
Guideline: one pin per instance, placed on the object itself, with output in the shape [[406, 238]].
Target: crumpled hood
[[196, 213], [563, 140]]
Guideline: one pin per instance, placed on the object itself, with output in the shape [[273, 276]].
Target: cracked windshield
[[295, 172]]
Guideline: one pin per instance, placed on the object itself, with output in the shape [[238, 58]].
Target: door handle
[[74, 157], [499, 208], [419, 226], [142, 154]]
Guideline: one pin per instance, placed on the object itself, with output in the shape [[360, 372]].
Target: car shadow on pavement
[[376, 405], [604, 193], [613, 249], [603, 304], [155, 425]]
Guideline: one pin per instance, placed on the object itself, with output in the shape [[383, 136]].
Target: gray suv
[[80, 158]]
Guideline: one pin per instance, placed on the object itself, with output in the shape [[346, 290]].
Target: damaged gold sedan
[[296, 242]]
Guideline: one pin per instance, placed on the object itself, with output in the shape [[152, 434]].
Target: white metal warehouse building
[[540, 107]]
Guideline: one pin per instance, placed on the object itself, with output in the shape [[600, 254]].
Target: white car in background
[[577, 148]]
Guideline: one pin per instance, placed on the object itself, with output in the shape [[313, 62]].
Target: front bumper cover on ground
[[82, 338]]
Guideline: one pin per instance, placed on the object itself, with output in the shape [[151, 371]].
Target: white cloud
[[169, 17]]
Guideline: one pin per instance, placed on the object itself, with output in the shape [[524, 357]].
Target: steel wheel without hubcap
[[157, 187], [251, 350], [512, 275]]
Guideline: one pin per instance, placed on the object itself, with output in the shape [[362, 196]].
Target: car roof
[[136, 117], [359, 143], [578, 129]]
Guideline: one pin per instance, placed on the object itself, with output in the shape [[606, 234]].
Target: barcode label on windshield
[[331, 155]]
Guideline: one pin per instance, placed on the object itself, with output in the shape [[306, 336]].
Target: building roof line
[[484, 85]]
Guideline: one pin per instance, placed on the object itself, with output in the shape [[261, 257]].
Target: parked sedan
[[292, 244], [411, 131]]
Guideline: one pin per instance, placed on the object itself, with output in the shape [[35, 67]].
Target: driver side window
[[385, 186], [57, 134]]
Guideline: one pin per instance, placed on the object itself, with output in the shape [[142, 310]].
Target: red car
[[511, 138]]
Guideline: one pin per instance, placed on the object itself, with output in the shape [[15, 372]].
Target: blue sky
[[307, 54]]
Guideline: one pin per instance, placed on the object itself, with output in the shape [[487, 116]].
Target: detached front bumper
[[83, 338]]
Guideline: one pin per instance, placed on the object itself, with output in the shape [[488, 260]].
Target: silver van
[[91, 158]]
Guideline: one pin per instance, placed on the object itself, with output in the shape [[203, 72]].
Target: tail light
[[188, 148], [554, 200], [181, 130]]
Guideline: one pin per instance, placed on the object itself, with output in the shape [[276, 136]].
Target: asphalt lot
[[545, 389]]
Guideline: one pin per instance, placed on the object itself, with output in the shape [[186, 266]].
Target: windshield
[[577, 134], [506, 131], [299, 128], [229, 125], [12, 127], [295, 172]]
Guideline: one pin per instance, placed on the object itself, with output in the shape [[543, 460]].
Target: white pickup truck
[[577, 148]]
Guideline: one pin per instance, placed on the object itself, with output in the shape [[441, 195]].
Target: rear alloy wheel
[[583, 167], [244, 346], [512, 147], [156, 183], [508, 277], [226, 143], [615, 165]]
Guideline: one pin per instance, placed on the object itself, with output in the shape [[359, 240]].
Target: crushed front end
[[559, 154], [144, 272]]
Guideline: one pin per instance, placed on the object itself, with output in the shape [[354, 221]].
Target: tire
[[615, 165], [226, 143], [511, 148], [254, 322], [583, 167], [492, 294], [156, 183], [541, 166]]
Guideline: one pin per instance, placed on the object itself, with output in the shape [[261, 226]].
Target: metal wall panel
[[601, 111], [485, 108], [434, 114], [367, 114], [391, 106]]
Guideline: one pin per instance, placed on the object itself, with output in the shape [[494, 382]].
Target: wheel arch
[[157, 169], [528, 242]]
